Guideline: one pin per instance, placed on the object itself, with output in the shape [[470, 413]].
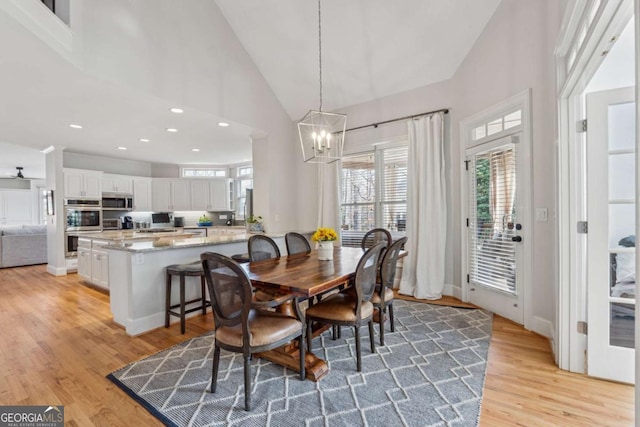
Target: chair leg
[[309, 337], [393, 324], [204, 295], [301, 343], [167, 301], [214, 372], [339, 331], [334, 332], [358, 355], [373, 341], [247, 383], [382, 312]]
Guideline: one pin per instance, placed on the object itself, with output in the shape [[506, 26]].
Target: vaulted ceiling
[[370, 49]]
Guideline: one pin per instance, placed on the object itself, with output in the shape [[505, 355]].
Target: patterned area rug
[[430, 372]]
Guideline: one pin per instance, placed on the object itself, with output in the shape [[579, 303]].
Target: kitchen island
[[137, 274]]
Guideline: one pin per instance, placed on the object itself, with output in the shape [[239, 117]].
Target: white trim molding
[[601, 21], [520, 101]]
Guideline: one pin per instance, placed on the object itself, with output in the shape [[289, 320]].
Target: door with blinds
[[494, 228]]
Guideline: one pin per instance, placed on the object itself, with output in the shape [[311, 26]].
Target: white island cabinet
[[137, 275], [93, 262]]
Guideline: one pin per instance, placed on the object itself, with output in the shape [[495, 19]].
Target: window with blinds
[[374, 193], [393, 188], [492, 225], [358, 192]]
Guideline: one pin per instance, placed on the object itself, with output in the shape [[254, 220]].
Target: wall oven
[[71, 242], [83, 215]]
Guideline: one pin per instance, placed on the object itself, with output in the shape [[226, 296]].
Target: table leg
[[289, 356]]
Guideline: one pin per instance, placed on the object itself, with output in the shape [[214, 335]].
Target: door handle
[[516, 239]]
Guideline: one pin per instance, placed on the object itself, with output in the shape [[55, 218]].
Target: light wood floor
[[58, 343]]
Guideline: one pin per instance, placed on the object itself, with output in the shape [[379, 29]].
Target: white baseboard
[[154, 321], [56, 271], [452, 291], [542, 326]]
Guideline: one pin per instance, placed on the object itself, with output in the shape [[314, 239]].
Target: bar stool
[[193, 269]]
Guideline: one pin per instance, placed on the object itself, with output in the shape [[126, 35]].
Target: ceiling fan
[[20, 175]]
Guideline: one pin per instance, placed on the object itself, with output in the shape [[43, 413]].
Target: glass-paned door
[[494, 229], [611, 205]]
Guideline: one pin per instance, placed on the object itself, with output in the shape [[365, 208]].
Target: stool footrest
[[191, 310]]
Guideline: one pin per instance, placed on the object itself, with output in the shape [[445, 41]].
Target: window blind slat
[[492, 253]]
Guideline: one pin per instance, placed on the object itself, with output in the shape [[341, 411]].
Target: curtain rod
[[413, 116]]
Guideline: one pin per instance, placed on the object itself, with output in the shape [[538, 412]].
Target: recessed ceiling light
[[177, 110], [195, 149], [223, 124], [75, 126], [144, 140], [122, 148], [172, 130]]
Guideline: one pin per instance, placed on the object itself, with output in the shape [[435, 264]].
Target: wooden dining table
[[303, 276]]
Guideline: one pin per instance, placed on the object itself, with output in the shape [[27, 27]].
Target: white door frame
[[520, 101], [577, 60]]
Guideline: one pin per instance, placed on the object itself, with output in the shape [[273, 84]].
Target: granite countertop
[[178, 242], [132, 235]]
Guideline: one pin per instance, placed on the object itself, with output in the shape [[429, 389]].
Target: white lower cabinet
[[93, 262], [84, 263], [100, 268]]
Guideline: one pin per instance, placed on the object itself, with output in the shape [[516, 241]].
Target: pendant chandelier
[[322, 133]]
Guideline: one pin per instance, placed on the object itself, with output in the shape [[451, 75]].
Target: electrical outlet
[[223, 216], [138, 259]]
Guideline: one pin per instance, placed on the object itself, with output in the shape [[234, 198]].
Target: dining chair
[[343, 309], [241, 326], [383, 296], [375, 236], [296, 243], [262, 247]]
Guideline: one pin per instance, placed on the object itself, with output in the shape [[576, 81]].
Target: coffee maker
[[127, 223]]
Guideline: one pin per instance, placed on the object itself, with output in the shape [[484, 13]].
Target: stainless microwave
[[117, 202]]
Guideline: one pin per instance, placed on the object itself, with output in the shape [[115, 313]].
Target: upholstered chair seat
[[388, 296], [266, 327], [340, 307]]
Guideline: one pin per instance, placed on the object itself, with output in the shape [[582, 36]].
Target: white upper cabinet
[[82, 183], [219, 195], [180, 195], [117, 184], [161, 195], [171, 195], [142, 195], [209, 194]]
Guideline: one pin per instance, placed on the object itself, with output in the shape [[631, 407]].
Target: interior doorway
[[596, 58]]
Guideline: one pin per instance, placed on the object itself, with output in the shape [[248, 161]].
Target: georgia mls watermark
[[32, 416]]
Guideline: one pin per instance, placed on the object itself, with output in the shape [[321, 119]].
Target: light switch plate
[[542, 214]]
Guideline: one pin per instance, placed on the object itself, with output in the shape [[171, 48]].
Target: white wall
[[106, 164], [515, 52], [201, 65]]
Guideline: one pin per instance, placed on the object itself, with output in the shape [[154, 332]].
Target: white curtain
[[502, 187], [329, 196], [424, 266]]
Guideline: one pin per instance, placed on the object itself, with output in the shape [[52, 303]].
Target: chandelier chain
[[320, 51]]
